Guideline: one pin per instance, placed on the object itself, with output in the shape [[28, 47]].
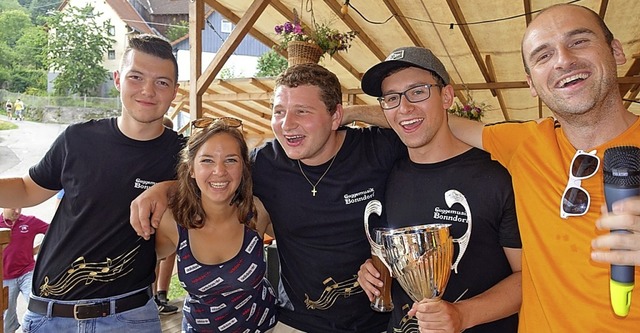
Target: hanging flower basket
[[303, 53]]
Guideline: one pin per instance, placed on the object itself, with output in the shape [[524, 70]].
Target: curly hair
[[186, 202], [314, 75]]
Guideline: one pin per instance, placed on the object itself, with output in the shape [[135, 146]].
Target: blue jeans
[[144, 319], [21, 284]]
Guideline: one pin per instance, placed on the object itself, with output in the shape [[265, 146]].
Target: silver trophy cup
[[420, 258]]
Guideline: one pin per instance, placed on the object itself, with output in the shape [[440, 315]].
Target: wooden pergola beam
[[230, 44], [351, 23], [217, 110], [468, 37], [224, 11], [267, 96], [492, 74], [196, 25], [403, 22]]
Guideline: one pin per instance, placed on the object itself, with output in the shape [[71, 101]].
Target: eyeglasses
[[575, 199], [207, 121], [414, 95]]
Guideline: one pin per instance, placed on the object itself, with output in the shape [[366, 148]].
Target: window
[[112, 30], [226, 26], [111, 55]]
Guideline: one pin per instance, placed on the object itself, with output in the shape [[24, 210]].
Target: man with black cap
[[483, 294]]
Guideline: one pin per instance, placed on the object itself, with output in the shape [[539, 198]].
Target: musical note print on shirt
[[407, 324], [85, 272], [332, 291]]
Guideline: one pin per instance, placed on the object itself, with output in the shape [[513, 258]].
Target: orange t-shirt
[[563, 289]]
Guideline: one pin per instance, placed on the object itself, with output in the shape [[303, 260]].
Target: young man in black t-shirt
[[483, 293], [93, 270]]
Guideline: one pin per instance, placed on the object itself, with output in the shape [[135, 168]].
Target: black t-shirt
[[91, 250], [416, 195], [321, 240]]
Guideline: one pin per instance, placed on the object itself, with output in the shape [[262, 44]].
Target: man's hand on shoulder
[[147, 209]]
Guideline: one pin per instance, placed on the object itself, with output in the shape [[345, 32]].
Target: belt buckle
[[77, 307]]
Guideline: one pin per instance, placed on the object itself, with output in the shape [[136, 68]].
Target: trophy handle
[[451, 197], [374, 206]]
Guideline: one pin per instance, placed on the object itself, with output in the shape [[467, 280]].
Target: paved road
[[20, 149], [23, 147]]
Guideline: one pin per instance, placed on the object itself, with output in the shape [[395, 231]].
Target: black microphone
[[621, 180]]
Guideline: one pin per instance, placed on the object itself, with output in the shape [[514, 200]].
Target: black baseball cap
[[411, 56]]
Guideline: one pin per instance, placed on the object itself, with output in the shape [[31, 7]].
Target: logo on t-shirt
[[367, 194], [143, 184], [450, 215]]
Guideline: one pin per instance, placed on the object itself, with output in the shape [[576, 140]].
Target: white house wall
[[239, 65]]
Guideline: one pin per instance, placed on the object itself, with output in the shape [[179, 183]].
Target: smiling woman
[[214, 218]]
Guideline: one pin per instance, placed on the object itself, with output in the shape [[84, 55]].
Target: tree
[[41, 7], [177, 30], [271, 64], [9, 4], [7, 56], [13, 23], [31, 48], [21, 45], [77, 45], [5, 78], [24, 79]]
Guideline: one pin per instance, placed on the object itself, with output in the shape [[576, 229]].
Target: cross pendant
[[313, 191]]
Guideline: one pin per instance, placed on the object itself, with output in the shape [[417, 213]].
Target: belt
[[90, 310]]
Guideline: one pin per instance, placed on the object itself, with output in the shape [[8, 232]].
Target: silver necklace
[[313, 186]]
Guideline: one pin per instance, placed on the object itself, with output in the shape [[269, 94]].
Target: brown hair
[[186, 203], [314, 75], [153, 45]]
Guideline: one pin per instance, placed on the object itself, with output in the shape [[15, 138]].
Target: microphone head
[[621, 166]]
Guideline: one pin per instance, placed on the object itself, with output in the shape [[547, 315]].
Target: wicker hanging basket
[[303, 53]]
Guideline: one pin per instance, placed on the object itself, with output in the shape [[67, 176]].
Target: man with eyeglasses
[[483, 293], [570, 59]]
